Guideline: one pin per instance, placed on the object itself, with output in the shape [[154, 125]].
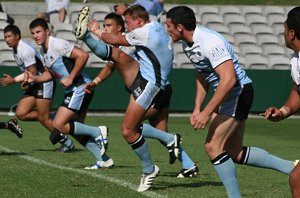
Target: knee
[[128, 133], [43, 118], [21, 115], [209, 149]]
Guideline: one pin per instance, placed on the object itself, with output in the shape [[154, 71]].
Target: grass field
[[30, 167]]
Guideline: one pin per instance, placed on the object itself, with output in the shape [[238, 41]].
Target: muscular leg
[[295, 181], [130, 127], [25, 110], [43, 109], [221, 129]]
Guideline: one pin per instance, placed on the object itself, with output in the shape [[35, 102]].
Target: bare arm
[[291, 106], [80, 58], [45, 77], [102, 76], [226, 83]]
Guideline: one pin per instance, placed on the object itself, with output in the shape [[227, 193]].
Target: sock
[[185, 160], [140, 147], [150, 132], [93, 147], [260, 158], [99, 48], [225, 168], [3, 125], [82, 129]]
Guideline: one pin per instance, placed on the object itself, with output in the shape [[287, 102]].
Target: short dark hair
[[39, 22], [116, 18], [12, 28], [182, 15], [137, 11], [293, 20]]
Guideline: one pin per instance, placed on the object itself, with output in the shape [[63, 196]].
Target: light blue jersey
[[57, 59], [153, 52], [208, 51]]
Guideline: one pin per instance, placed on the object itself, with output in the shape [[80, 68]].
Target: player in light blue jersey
[[66, 62], [292, 105], [147, 80], [228, 109]]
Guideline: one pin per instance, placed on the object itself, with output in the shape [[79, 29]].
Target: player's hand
[[201, 120], [66, 82], [28, 77], [93, 25], [273, 114], [24, 85], [7, 80], [195, 113], [89, 87]]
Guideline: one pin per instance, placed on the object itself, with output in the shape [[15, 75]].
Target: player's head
[[114, 23], [292, 26], [39, 31], [12, 35], [135, 16], [180, 18]]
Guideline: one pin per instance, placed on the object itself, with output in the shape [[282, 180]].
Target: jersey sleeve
[[217, 55], [28, 57], [64, 48], [137, 37]]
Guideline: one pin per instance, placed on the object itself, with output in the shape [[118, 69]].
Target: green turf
[[61, 175]]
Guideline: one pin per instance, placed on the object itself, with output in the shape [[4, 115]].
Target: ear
[[180, 28], [292, 34]]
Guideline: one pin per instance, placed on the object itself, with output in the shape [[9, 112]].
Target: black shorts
[[41, 90]]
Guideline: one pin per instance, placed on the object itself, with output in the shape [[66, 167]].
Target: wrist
[[97, 80], [99, 33], [285, 111]]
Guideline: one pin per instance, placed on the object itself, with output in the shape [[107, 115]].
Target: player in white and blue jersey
[[37, 97], [146, 78], [292, 105], [227, 110], [66, 63]]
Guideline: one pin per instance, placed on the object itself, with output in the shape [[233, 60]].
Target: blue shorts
[[41, 90], [238, 103], [77, 100]]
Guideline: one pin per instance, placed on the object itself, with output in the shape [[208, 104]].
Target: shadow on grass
[[196, 184], [15, 153]]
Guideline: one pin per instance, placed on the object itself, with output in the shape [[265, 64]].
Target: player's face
[[132, 24], [11, 39], [111, 26], [39, 35], [287, 36], [173, 31]]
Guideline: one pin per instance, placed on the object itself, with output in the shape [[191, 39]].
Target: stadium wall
[[271, 88]]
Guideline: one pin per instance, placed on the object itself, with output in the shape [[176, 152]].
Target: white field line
[[92, 174]]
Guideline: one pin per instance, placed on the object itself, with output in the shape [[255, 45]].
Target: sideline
[[92, 174]]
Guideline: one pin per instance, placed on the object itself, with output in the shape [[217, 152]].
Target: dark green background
[[271, 88]]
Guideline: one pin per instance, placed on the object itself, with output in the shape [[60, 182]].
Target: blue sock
[[82, 129], [149, 131], [185, 160], [140, 147], [261, 158], [100, 49], [93, 147], [225, 168]]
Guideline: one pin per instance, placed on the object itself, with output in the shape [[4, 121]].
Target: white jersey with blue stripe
[[26, 55], [57, 59], [153, 52], [210, 49], [295, 68]]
